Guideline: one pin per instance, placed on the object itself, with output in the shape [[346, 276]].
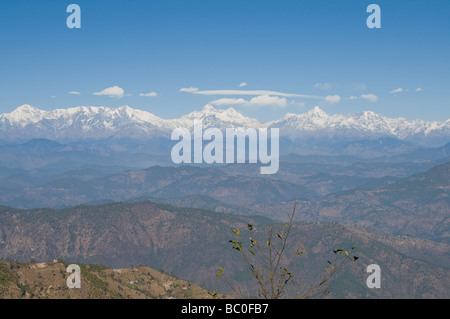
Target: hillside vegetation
[[48, 280], [193, 243]]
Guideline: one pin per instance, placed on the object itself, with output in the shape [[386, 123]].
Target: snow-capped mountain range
[[27, 122]]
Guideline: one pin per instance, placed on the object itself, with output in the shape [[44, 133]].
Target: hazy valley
[[113, 197]]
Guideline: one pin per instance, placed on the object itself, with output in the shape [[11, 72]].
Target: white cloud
[[228, 101], [247, 92], [399, 90], [332, 99], [418, 89], [150, 94], [242, 84], [264, 100], [53, 96], [370, 97], [359, 86], [74, 92], [301, 104], [191, 90], [323, 86], [260, 100], [262, 97], [113, 91]]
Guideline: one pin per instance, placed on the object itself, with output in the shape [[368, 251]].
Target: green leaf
[[221, 269], [218, 275]]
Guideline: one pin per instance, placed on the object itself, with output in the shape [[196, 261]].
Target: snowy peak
[[85, 122], [317, 112], [208, 108], [368, 124], [23, 115], [33, 115], [26, 108], [80, 123], [212, 117]]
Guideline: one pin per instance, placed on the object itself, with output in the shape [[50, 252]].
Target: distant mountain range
[[375, 196], [416, 206], [192, 243], [156, 182], [390, 178], [382, 175], [78, 123]]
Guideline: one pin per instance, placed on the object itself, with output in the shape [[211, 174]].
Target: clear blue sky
[[319, 48]]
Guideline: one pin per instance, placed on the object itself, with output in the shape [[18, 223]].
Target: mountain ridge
[[193, 243], [83, 122]]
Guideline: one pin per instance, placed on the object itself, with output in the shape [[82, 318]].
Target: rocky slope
[[192, 244], [48, 281]]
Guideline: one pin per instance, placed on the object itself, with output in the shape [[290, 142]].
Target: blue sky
[[288, 55]]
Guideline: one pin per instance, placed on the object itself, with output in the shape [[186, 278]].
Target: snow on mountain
[[79, 122], [366, 124], [23, 115], [82, 122], [212, 117]]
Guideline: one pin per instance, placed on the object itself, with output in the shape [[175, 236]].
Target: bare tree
[[270, 262]]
